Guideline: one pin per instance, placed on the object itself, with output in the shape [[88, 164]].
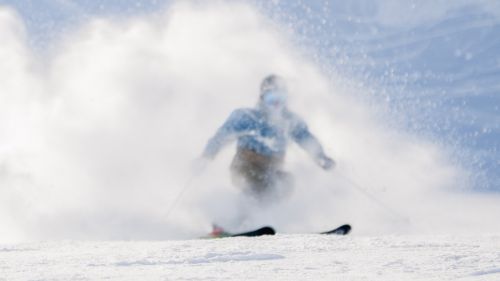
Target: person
[[262, 135]]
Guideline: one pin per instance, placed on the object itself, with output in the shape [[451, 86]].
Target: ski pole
[[374, 199], [184, 188], [178, 197]]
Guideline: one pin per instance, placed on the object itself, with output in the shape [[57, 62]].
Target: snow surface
[[282, 257]]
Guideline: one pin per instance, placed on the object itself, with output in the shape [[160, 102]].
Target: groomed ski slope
[[281, 257]]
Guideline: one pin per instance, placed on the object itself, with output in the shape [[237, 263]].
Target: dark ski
[[341, 230], [266, 230], [219, 232]]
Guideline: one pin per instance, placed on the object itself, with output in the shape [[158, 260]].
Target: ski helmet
[[273, 82]]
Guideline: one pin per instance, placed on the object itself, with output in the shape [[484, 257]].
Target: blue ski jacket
[[254, 130]]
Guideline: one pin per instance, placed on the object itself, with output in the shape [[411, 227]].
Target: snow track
[[281, 257]]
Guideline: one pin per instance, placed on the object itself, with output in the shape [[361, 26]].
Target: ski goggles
[[274, 97]]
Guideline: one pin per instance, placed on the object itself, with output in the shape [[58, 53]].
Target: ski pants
[[260, 175]]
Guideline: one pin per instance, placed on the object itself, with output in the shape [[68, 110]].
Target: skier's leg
[[251, 172]]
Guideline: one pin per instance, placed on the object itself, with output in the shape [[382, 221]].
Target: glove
[[326, 162]]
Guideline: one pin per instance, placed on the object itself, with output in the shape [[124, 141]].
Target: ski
[[341, 230], [219, 232], [266, 230]]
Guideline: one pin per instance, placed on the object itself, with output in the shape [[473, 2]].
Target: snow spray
[[98, 131]]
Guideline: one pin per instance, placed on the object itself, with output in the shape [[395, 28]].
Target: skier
[[262, 134]]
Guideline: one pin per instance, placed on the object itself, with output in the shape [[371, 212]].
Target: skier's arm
[[301, 135], [226, 133]]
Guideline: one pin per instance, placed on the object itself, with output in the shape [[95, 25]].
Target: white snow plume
[[98, 138]]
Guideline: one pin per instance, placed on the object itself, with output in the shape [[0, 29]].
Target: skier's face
[[274, 99]]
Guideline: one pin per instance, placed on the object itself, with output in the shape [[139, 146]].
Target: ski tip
[[341, 230], [347, 229], [266, 230]]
